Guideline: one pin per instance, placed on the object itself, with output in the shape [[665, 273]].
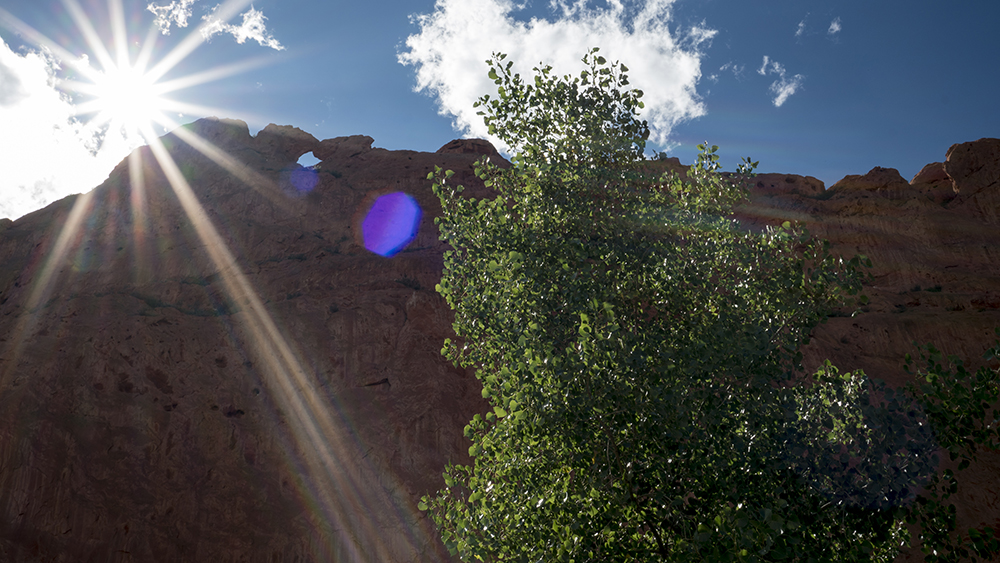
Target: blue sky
[[821, 88]]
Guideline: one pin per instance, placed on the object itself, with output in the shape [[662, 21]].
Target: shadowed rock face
[[149, 413], [217, 370]]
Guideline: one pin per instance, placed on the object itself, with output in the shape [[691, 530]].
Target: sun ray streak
[[137, 201], [119, 37], [320, 428], [336, 481], [17, 26], [148, 44], [89, 34], [193, 40], [210, 75], [252, 179], [44, 282]]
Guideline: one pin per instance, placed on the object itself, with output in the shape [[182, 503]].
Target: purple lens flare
[[391, 223]]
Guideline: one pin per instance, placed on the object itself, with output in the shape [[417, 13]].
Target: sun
[[118, 91], [124, 96]]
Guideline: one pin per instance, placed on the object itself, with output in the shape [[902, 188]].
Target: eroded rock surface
[[215, 369], [935, 247], [148, 412]]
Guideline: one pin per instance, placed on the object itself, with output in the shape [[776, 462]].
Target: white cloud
[[800, 29], [784, 86], [455, 40], [763, 68], [834, 27], [56, 154], [178, 12], [736, 69], [171, 14], [252, 28]]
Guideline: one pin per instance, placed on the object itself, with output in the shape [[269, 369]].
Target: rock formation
[[199, 360]]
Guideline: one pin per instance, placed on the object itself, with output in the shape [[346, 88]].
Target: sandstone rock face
[[151, 411], [974, 169], [935, 278], [199, 360], [468, 146], [780, 184]]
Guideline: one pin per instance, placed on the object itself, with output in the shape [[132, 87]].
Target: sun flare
[[120, 93], [125, 96]]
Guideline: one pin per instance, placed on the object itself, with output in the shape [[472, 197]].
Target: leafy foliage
[[964, 410], [640, 354]]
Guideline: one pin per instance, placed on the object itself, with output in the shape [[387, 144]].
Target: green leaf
[[637, 350]]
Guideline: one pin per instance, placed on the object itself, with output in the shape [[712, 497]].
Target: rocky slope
[[200, 361]]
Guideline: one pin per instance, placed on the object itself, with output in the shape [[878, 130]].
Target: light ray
[[210, 75], [146, 53], [316, 428], [42, 286], [322, 432], [258, 182], [137, 201], [28, 32], [193, 40], [116, 13], [89, 34]]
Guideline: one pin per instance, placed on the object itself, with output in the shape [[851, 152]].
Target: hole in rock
[[308, 159]]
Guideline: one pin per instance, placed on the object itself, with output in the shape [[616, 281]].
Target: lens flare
[[303, 180], [391, 224], [318, 439]]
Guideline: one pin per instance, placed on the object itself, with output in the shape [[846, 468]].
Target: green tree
[[640, 353]]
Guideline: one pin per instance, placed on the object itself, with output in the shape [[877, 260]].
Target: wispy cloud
[[174, 13], [783, 87], [252, 28], [834, 27], [800, 29], [455, 40], [56, 154], [179, 11], [736, 69]]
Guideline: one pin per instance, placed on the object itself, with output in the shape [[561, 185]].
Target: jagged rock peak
[[223, 133], [974, 166], [931, 174], [877, 179]]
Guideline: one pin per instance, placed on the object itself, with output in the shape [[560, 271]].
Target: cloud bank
[[56, 155], [784, 86], [179, 11], [456, 39]]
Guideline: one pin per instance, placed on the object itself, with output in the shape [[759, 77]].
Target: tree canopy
[[639, 350]]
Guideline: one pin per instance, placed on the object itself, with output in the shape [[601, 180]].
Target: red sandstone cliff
[[219, 370]]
